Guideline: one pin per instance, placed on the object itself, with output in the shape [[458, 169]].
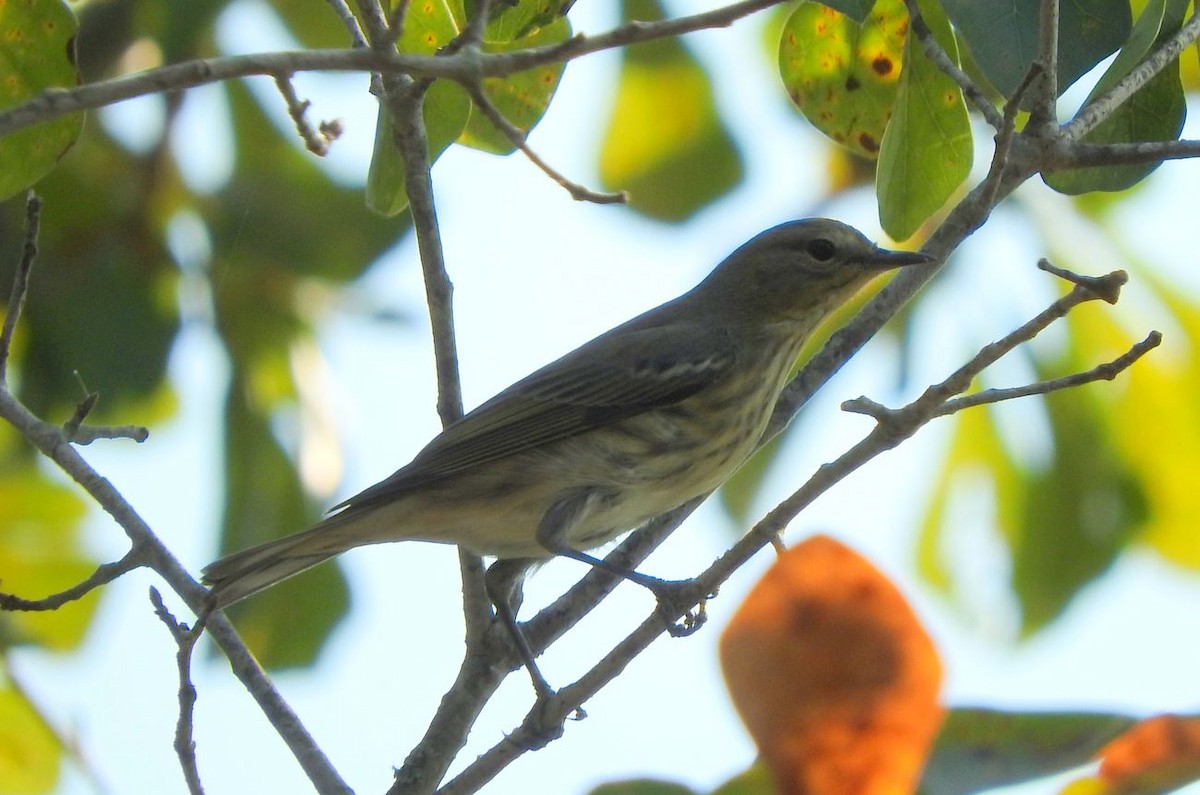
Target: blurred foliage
[[106, 297], [980, 749], [666, 144], [29, 749]]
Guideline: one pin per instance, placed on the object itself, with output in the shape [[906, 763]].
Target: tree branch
[[464, 67], [1104, 105], [104, 574], [185, 742], [517, 137]]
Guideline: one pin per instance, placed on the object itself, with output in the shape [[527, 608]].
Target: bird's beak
[[886, 259]]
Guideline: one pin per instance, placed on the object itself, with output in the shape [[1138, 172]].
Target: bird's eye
[[821, 249]]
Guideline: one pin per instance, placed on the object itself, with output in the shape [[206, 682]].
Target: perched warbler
[[658, 410]]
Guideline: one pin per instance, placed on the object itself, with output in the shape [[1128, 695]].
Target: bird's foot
[[682, 604]]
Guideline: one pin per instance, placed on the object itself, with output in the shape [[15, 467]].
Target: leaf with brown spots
[[833, 675], [843, 76], [37, 52], [928, 149]]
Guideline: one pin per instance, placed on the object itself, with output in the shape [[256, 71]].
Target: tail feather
[[236, 576]]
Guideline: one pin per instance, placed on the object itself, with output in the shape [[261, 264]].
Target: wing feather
[[620, 374]]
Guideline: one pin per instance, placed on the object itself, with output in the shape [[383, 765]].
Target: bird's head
[[798, 271]]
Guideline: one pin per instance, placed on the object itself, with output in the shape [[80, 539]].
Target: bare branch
[[86, 434], [395, 23], [104, 574], [1081, 154], [1042, 119], [318, 140], [1103, 106], [1101, 372], [1106, 288], [518, 139], [349, 22], [1005, 135], [20, 288], [185, 742], [376, 24]]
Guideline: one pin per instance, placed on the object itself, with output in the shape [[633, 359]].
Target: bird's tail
[[236, 576]]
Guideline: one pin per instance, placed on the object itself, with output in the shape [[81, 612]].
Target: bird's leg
[[503, 583], [675, 598]]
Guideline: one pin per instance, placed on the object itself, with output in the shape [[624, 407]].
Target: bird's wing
[[620, 374]]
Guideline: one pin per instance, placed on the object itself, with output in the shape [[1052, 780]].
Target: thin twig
[[104, 574], [472, 33], [1081, 154], [375, 22], [1104, 105], [316, 141], [86, 434], [1042, 119], [1101, 372], [942, 60], [518, 139], [20, 288], [82, 409], [395, 25], [349, 21], [1106, 288], [185, 742], [1005, 135]]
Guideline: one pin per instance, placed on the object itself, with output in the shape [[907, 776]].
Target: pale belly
[[651, 464]]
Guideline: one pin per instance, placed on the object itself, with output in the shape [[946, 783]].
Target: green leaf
[[521, 98], [843, 76], [1155, 113], [446, 110], [428, 26], [29, 749], [1003, 36], [975, 447], [37, 52], [40, 555], [1079, 513], [927, 148], [978, 749], [666, 144]]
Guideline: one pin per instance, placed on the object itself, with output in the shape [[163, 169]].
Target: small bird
[[660, 409]]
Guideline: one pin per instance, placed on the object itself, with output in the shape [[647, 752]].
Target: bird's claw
[[682, 606]]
